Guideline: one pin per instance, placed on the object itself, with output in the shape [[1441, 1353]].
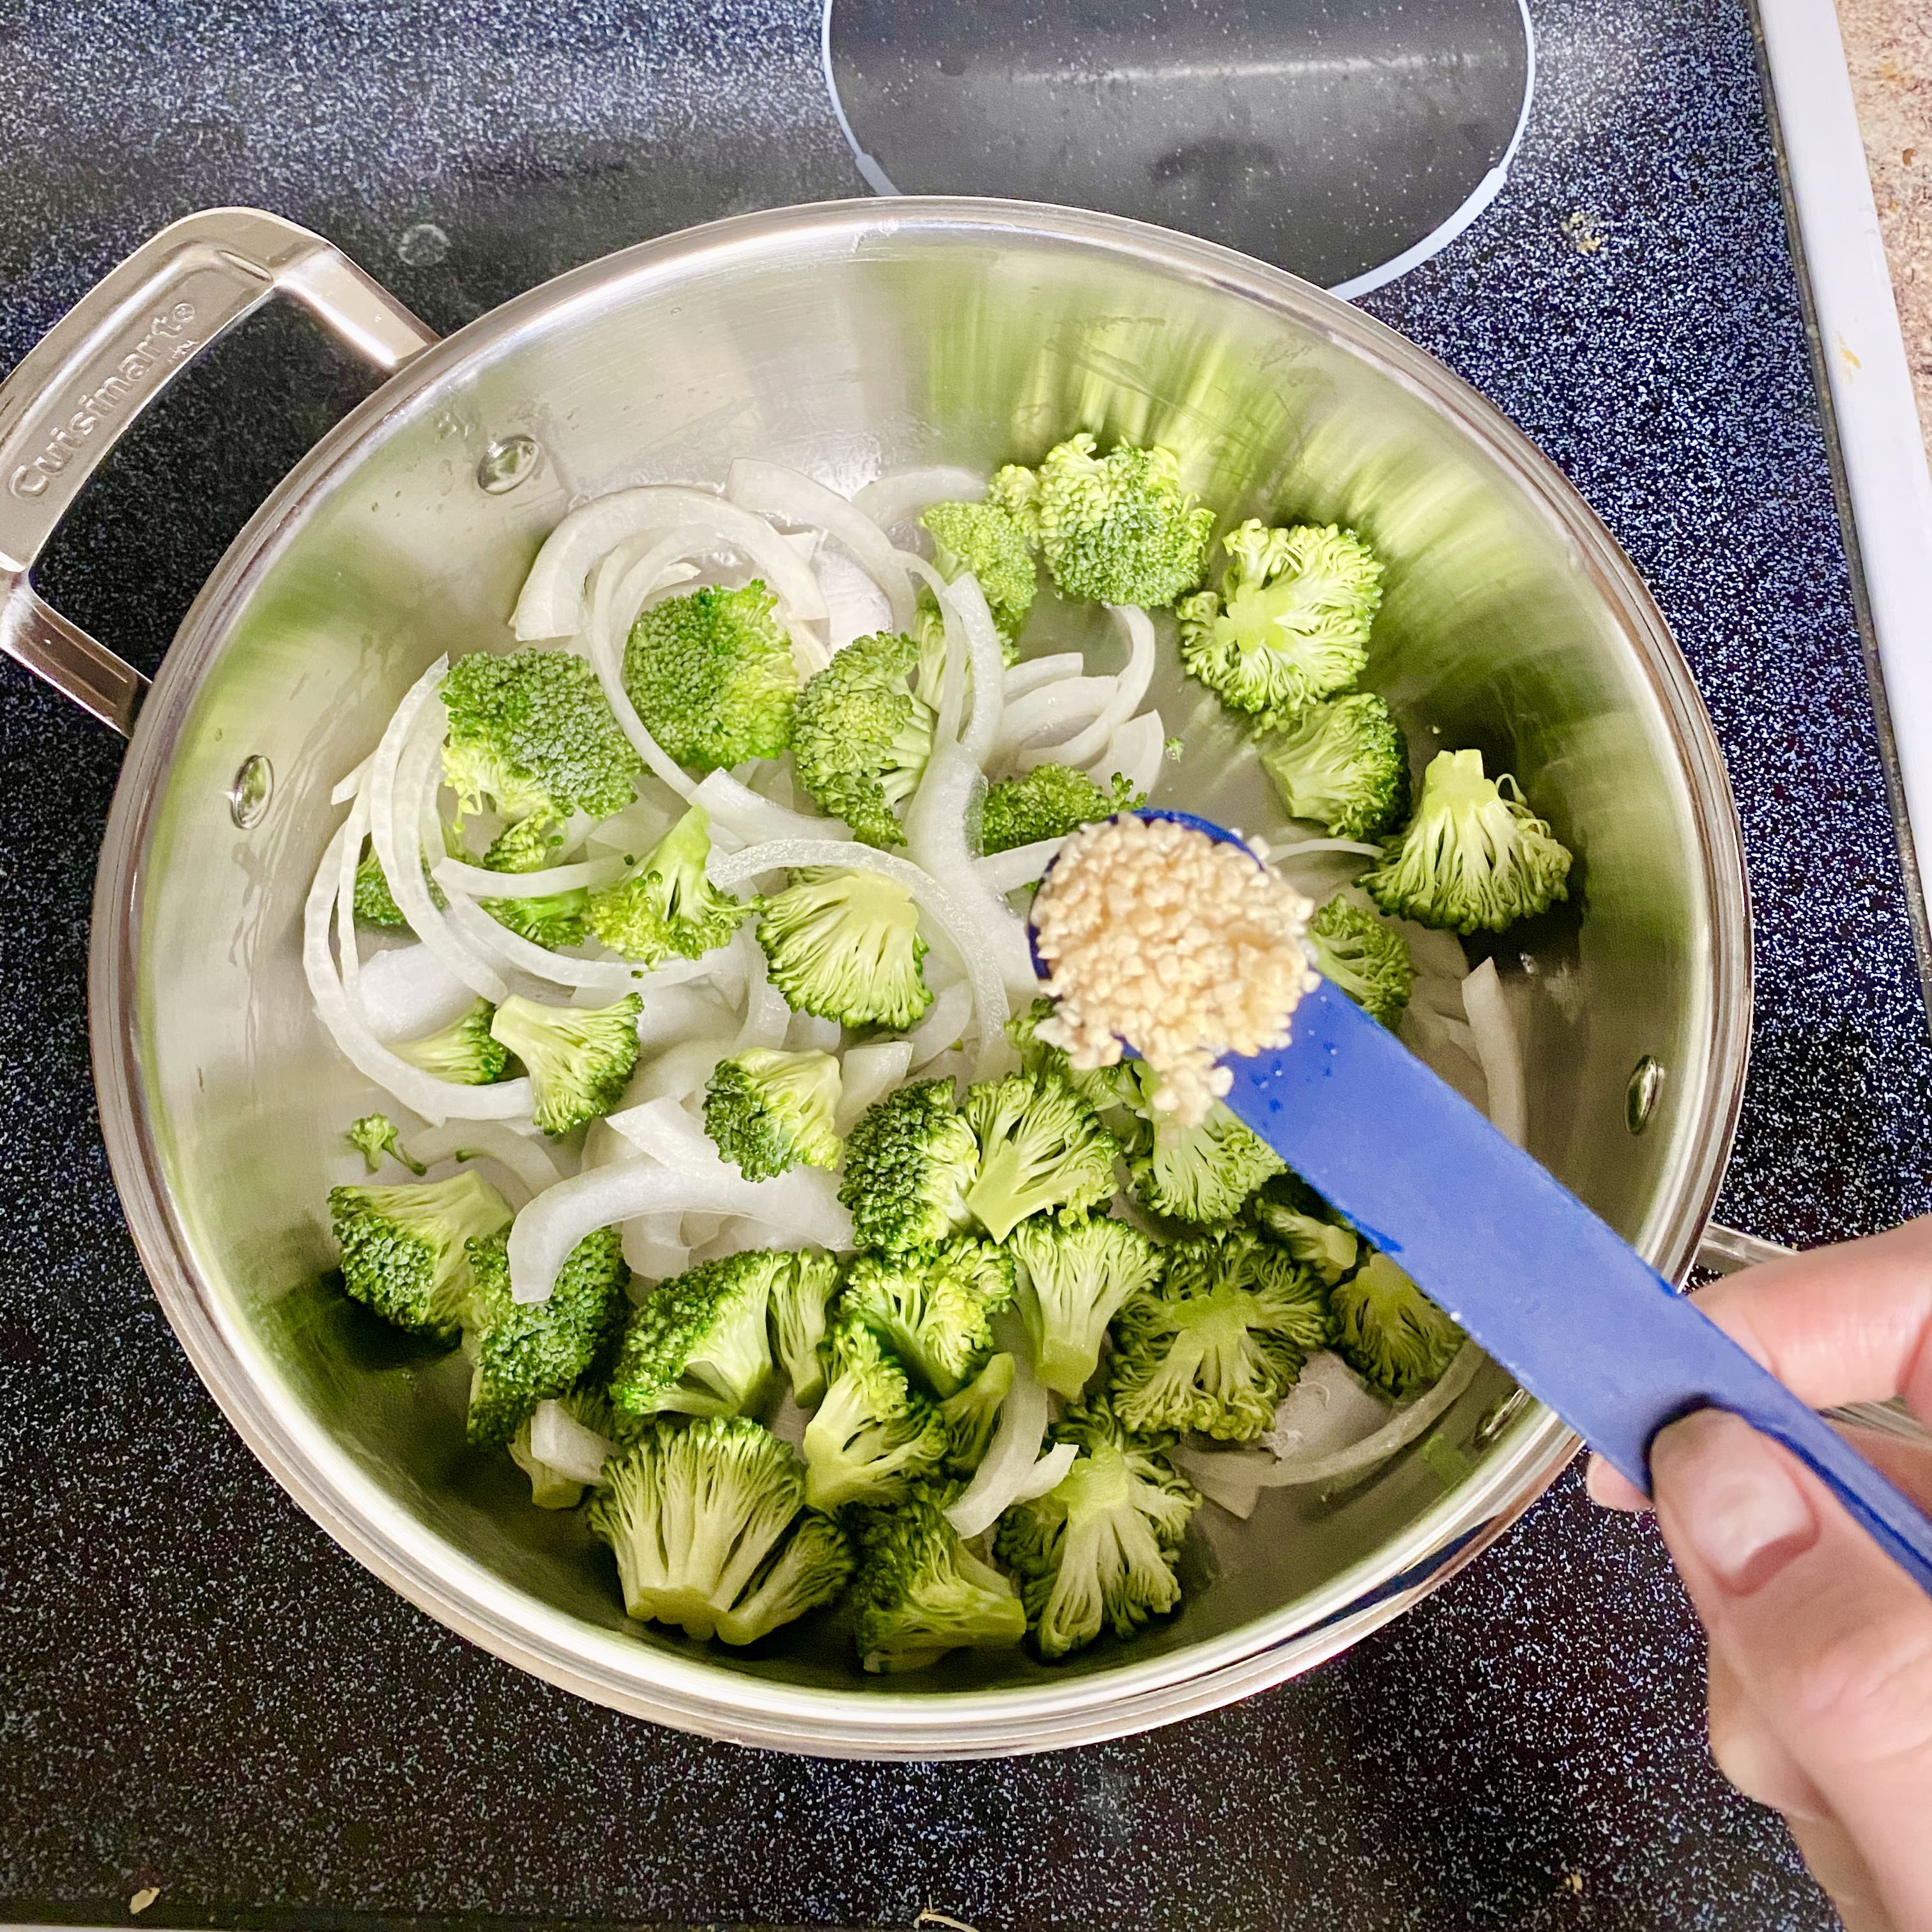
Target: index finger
[[1850, 1323]]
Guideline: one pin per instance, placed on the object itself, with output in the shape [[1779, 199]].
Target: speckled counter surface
[[199, 1693]]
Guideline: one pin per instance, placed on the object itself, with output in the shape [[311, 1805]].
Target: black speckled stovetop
[[198, 1692]]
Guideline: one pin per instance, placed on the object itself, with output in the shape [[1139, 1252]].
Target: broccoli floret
[[1369, 961], [872, 1433], [711, 676], [376, 1135], [465, 1051], [1291, 622], [579, 1058], [908, 1163], [1325, 1248], [1388, 1330], [971, 1414], [1102, 1087], [812, 1567], [667, 905], [1200, 1174], [845, 946], [1049, 802], [1098, 1549], [1119, 529], [695, 1516], [1345, 764], [861, 737], [528, 846], [1218, 1344], [533, 733], [989, 540], [800, 1295], [1081, 1272], [404, 1248], [769, 1111], [1474, 858], [932, 1307], [697, 1344], [1041, 1146], [551, 1489], [554, 921], [374, 903], [919, 1591], [524, 1353]]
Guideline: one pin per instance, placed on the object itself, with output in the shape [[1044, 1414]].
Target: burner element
[[1344, 139]]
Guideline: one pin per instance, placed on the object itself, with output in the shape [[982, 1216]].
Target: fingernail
[[1726, 1491], [1610, 1489]]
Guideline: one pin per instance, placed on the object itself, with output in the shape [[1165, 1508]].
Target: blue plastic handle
[[1579, 1319]]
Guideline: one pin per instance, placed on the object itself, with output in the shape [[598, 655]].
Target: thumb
[[1829, 1638]]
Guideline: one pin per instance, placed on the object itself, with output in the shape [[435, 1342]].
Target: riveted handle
[[67, 404]]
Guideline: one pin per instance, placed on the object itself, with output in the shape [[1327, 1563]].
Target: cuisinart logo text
[[166, 342]]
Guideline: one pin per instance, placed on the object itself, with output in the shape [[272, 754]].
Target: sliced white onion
[[1235, 1487], [730, 871], [945, 1021], [740, 810], [436, 1100], [407, 992], [662, 1129], [1285, 853], [350, 783], [552, 604], [803, 1205], [1022, 678], [900, 497], [1329, 1408], [678, 1012], [773, 489], [478, 882], [635, 830], [869, 1073], [809, 1033], [561, 969], [653, 1249], [1065, 707], [1138, 753], [559, 1441], [1498, 1051], [766, 1014], [528, 1158], [1011, 1457], [679, 1072], [964, 600], [855, 607], [1049, 1473], [1129, 687], [348, 951], [1021, 865]]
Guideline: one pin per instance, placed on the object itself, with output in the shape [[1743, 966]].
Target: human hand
[[1821, 1646]]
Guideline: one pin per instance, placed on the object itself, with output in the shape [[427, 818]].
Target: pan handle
[[66, 405]]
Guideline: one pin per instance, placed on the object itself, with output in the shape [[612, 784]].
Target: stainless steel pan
[[850, 339]]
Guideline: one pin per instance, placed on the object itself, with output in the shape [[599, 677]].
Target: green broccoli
[[1041, 1147], [667, 905], [1296, 1218], [1218, 1343], [464, 1051], [811, 1568], [555, 920], [971, 1414], [933, 1306], [695, 1516], [1388, 1330], [1119, 529], [533, 733], [376, 1135], [1199, 1174], [800, 1296], [770, 1111], [919, 1591], [872, 1433], [404, 1250], [579, 1058], [845, 946], [374, 903], [1049, 802], [1474, 858], [1099, 1549], [1082, 1271], [861, 737], [1345, 764], [909, 1161], [1369, 961], [697, 1345], [988, 539], [1104, 1088], [524, 1353], [1291, 622], [713, 678]]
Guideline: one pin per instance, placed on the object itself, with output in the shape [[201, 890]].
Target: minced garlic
[[1181, 947]]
